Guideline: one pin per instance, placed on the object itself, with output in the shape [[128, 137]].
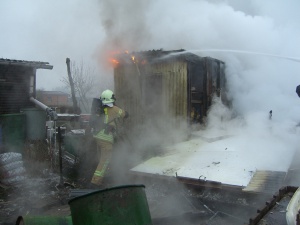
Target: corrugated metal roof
[[34, 64], [153, 56]]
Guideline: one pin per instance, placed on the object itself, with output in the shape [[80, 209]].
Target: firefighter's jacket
[[113, 120]]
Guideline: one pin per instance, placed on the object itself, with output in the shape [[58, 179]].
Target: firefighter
[[113, 117]]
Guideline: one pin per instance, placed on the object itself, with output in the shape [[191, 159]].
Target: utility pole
[[75, 106]]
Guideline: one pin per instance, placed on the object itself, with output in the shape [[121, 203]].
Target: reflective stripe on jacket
[[112, 120]]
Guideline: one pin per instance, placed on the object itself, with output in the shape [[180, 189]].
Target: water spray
[[235, 51], [246, 52]]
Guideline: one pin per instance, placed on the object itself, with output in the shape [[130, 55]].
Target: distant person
[[298, 90], [113, 118], [298, 93]]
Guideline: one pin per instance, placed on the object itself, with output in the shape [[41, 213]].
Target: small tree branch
[[83, 82]]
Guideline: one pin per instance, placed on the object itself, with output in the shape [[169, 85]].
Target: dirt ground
[[46, 192], [170, 202], [34, 196]]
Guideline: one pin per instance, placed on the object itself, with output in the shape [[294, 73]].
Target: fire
[[133, 59], [136, 61], [114, 62], [112, 59]]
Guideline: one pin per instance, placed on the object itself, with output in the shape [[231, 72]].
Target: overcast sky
[[50, 31], [53, 30]]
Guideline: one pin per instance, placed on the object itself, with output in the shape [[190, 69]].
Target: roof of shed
[[160, 55], [33, 64]]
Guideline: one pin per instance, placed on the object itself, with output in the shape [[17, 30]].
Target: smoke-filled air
[[258, 41]]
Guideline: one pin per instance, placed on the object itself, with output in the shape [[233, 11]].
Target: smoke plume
[[257, 40], [256, 83]]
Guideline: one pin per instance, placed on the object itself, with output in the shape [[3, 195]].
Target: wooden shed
[[175, 85], [18, 83]]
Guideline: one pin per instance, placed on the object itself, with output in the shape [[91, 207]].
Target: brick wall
[[54, 99]]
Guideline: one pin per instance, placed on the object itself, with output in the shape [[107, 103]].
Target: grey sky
[[89, 30], [49, 31]]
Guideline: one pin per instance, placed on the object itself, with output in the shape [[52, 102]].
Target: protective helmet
[[107, 96]]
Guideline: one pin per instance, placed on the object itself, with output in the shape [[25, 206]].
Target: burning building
[[167, 84]]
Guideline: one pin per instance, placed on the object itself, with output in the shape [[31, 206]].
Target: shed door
[[197, 92]]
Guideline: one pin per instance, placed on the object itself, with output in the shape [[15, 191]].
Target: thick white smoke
[[52, 31], [249, 36], [257, 83]]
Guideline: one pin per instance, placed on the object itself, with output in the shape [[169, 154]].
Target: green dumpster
[[13, 132], [44, 220], [122, 205], [35, 124]]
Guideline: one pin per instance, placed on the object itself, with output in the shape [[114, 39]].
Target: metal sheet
[[231, 161], [197, 159]]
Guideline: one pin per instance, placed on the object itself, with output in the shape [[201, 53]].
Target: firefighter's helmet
[[107, 96]]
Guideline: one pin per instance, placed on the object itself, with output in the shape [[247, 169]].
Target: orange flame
[[112, 58], [114, 62], [113, 55], [133, 58]]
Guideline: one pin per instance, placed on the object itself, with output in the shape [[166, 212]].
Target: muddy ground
[[45, 193]]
